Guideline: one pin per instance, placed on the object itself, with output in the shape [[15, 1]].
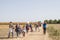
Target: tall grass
[[54, 33]]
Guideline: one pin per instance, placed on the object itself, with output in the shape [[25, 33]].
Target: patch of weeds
[[54, 33]]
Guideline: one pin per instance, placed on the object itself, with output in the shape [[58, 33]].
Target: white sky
[[29, 10]]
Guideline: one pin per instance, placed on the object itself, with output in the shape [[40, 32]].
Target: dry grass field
[[54, 31], [3, 30], [57, 26]]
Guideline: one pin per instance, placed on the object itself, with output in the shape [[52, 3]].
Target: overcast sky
[[29, 10]]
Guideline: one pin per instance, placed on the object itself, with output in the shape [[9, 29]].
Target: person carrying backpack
[[18, 29]]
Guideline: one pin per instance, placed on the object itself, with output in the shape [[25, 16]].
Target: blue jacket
[[44, 25]]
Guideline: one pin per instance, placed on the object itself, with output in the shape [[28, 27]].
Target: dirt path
[[37, 36], [32, 36]]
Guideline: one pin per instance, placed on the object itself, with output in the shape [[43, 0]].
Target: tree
[[50, 21], [46, 21], [58, 21], [55, 21]]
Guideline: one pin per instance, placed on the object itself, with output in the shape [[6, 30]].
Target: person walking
[[31, 27], [36, 26], [23, 31], [27, 28], [44, 27], [11, 29], [18, 29], [39, 26]]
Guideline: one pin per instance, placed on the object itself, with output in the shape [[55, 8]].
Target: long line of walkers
[[25, 29]]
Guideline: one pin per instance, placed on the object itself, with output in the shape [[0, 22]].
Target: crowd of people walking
[[25, 29]]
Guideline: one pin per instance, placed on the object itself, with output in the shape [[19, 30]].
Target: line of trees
[[52, 21]]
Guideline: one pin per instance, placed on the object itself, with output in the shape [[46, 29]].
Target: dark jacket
[[17, 28]]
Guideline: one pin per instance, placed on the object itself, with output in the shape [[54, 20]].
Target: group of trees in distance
[[55, 21]]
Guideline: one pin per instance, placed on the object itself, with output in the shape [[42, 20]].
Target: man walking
[[44, 27], [11, 29]]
